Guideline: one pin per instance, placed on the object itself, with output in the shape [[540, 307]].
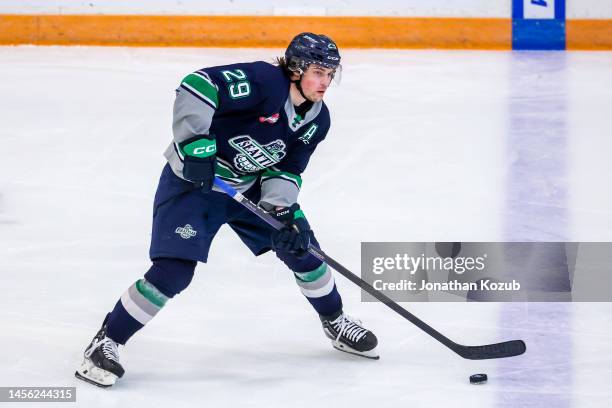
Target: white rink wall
[[576, 9], [405, 8], [589, 9]]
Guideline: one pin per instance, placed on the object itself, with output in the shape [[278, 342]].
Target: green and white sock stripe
[[316, 283], [142, 301], [274, 173], [200, 85]]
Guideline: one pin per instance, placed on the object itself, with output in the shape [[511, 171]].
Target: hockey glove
[[296, 235], [199, 160]]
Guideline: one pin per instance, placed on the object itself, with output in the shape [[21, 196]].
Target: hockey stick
[[485, 352]]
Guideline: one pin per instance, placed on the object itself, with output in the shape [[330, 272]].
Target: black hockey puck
[[478, 378]]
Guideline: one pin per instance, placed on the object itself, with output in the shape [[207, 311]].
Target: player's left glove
[[199, 161], [296, 235]]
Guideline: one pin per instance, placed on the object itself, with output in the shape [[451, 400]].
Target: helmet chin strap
[[298, 85]]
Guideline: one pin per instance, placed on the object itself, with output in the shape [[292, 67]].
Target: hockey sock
[[319, 287], [145, 298]]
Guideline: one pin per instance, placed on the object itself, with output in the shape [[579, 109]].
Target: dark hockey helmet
[[309, 48]]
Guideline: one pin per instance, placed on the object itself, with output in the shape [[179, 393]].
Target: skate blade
[[371, 354], [88, 372]]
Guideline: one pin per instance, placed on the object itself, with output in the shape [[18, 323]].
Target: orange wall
[[588, 34], [263, 31]]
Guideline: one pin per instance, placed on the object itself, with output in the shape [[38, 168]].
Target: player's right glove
[[296, 235], [199, 160]]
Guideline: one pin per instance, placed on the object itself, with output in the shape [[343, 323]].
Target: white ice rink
[[424, 146]]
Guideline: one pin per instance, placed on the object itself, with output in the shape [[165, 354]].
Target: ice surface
[[424, 146]]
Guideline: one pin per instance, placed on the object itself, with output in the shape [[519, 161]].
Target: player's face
[[315, 82]]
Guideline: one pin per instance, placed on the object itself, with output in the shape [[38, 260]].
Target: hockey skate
[[100, 364], [348, 335]]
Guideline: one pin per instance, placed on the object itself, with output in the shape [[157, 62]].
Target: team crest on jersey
[[254, 157]]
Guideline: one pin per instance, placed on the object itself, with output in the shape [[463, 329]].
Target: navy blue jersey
[[259, 136]]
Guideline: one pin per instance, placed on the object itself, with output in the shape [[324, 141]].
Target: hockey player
[[254, 125]]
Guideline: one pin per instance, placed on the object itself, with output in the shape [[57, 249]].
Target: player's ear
[[295, 76]]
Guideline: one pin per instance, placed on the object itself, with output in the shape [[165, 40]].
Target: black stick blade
[[499, 350]]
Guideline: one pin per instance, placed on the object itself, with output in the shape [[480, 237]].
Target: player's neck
[[296, 97]]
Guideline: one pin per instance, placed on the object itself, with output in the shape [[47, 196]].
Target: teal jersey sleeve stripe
[[203, 87], [224, 171]]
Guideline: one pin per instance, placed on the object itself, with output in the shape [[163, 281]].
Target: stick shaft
[[499, 350]]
